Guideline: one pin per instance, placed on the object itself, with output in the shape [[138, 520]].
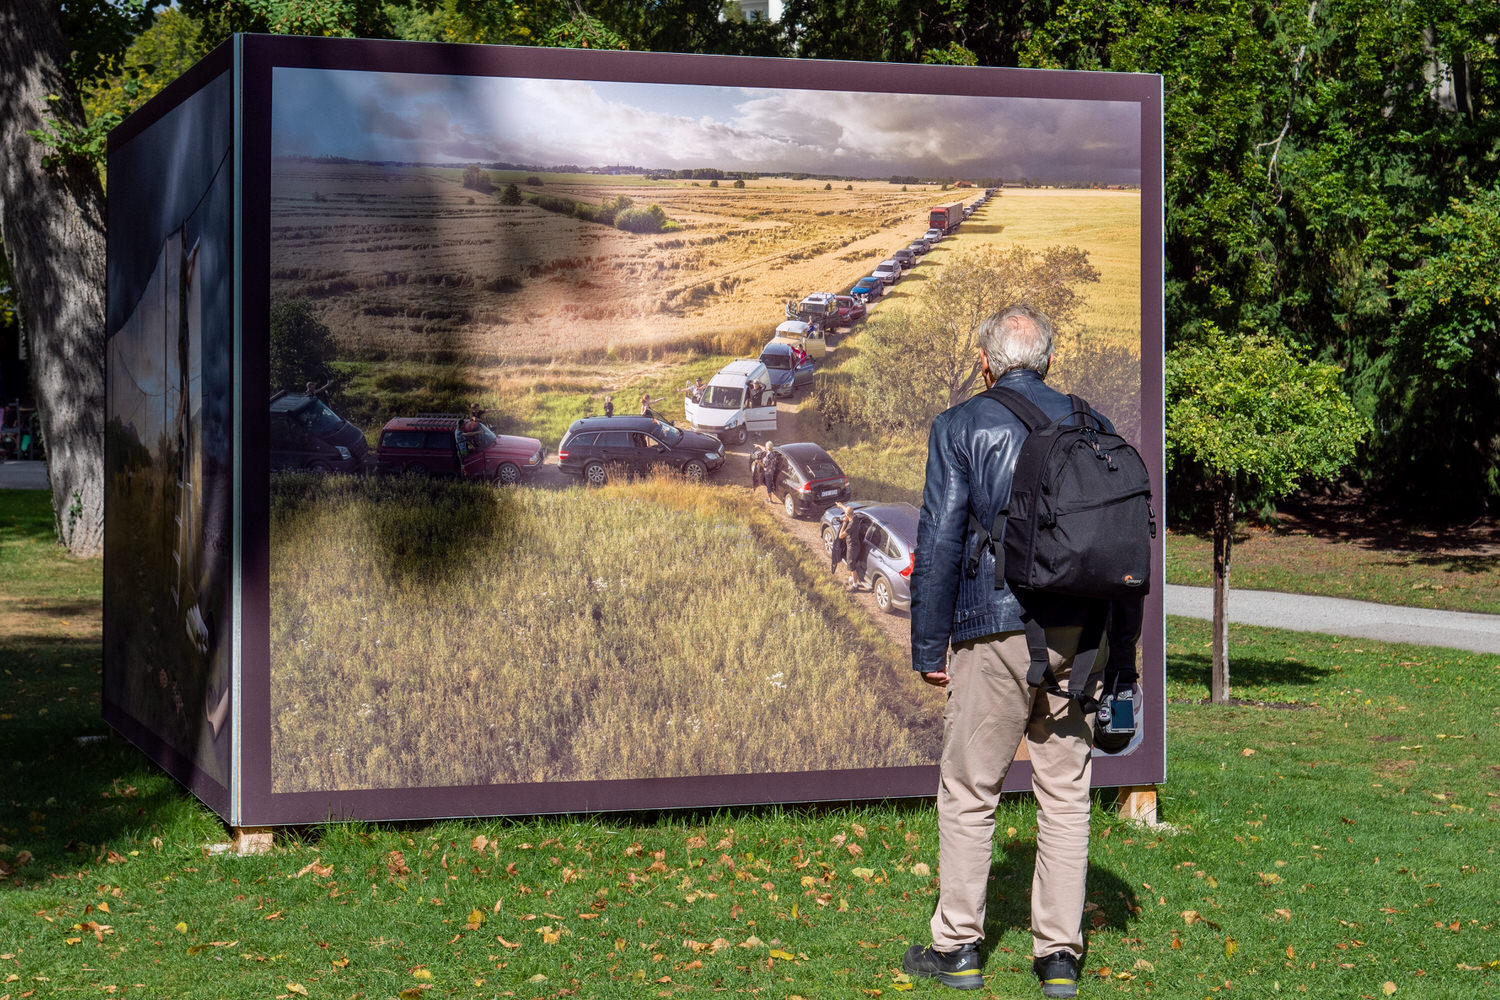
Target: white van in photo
[[812, 339], [725, 408]]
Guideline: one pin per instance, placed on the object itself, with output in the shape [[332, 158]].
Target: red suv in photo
[[437, 444]]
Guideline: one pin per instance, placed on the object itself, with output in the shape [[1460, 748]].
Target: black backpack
[[1078, 526]]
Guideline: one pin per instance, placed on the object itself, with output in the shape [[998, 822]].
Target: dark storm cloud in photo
[[435, 119]]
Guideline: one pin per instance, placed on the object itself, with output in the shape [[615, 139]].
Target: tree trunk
[[1218, 683], [52, 227]]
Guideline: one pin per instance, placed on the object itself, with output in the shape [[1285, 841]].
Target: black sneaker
[[960, 968], [1058, 973]]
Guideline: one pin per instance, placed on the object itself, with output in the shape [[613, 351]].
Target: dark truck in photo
[[946, 217], [307, 434]]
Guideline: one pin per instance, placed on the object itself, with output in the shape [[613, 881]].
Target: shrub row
[[619, 213]]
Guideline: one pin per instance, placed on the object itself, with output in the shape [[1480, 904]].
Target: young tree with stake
[[1252, 415]]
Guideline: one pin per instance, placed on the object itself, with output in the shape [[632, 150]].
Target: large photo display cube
[[436, 371]]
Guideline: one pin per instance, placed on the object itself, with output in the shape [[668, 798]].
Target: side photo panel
[[168, 614]]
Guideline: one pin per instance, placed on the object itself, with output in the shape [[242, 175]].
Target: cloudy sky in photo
[[451, 119]]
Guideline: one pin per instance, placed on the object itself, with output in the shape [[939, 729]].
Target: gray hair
[[1015, 338]]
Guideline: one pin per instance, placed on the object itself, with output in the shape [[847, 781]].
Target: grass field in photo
[[428, 634]]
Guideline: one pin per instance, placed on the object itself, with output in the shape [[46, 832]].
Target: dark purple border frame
[[257, 804]]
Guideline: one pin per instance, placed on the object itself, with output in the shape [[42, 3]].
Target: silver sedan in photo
[[892, 534]]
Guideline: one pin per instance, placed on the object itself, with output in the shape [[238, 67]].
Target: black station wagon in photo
[[597, 447], [810, 480]]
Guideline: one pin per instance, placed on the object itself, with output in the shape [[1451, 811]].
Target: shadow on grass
[[1008, 907], [1249, 671], [1473, 565], [1363, 518], [60, 610], [71, 787]]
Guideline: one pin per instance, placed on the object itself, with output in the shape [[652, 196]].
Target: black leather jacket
[[971, 455]]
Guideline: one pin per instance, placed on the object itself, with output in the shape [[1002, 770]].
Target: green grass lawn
[[1334, 838], [1300, 563]]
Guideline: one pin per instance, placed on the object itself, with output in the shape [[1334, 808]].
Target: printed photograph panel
[[477, 577]]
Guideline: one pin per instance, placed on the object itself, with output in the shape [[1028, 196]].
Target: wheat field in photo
[[428, 634]]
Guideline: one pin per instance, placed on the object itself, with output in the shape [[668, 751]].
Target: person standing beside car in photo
[[840, 545], [772, 463], [757, 467], [971, 460], [857, 549], [471, 426]]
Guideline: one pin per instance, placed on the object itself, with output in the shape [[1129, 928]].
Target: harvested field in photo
[[1105, 224], [405, 262], [492, 639]]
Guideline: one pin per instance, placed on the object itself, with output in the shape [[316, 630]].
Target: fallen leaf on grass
[[1231, 947], [778, 953], [475, 919], [421, 973], [480, 842], [1388, 987], [317, 868], [506, 944], [395, 863], [296, 988], [921, 870]]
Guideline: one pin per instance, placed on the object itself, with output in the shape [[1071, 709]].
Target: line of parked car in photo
[[942, 221], [307, 434]]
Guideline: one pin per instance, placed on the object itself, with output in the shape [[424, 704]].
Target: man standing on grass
[[972, 452]]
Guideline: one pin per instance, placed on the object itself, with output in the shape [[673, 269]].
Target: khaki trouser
[[990, 708]]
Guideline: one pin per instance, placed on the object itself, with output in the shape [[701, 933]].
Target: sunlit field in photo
[[446, 634]]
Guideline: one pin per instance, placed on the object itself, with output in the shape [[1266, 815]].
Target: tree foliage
[[1310, 151], [301, 346], [1450, 331], [477, 179], [1252, 408], [917, 362]]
